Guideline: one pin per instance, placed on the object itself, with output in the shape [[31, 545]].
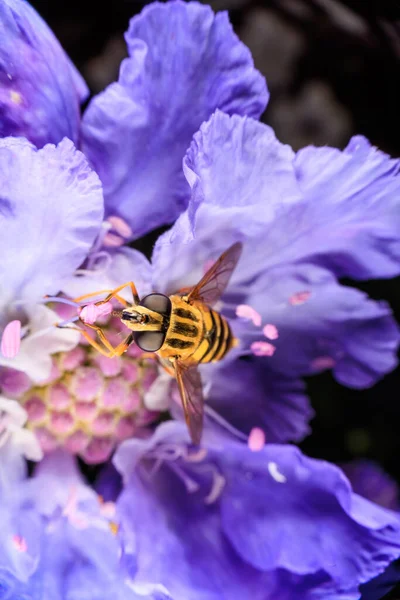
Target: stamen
[[11, 339], [256, 441], [270, 331], [195, 457], [190, 484], [262, 349], [299, 298], [275, 473], [71, 510], [247, 312], [221, 421], [111, 240], [67, 321], [108, 509], [323, 362], [120, 226], [216, 490], [61, 301], [20, 543]]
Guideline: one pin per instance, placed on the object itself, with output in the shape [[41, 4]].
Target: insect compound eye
[[158, 303], [149, 341]]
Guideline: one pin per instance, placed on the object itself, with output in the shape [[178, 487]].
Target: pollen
[[89, 403], [263, 348], [270, 331], [256, 441], [247, 312]]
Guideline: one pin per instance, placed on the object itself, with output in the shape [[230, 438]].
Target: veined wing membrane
[[211, 287], [191, 391]]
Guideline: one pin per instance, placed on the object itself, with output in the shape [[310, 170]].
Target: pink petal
[[11, 339]]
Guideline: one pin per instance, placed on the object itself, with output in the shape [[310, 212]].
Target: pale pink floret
[[263, 349], [89, 403], [91, 312], [256, 440], [247, 312], [270, 331], [11, 339]]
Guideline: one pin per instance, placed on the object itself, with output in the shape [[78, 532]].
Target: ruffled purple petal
[[197, 564], [248, 394], [322, 325], [51, 210], [293, 523], [17, 523], [109, 270], [282, 509], [184, 63], [353, 216], [40, 89], [222, 208], [77, 555]]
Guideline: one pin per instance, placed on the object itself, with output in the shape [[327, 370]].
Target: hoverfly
[[182, 330]]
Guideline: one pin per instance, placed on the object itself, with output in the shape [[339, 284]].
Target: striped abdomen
[[196, 332]]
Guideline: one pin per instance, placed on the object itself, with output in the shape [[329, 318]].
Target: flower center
[[89, 403]]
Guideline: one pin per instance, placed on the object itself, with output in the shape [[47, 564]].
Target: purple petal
[[329, 326], [297, 530], [199, 564], [224, 209], [184, 63], [17, 524], [40, 89], [282, 509], [79, 556], [248, 394], [51, 210], [109, 270], [353, 215]]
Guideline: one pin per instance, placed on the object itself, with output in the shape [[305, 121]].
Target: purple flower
[[221, 521], [40, 89], [304, 321], [184, 62]]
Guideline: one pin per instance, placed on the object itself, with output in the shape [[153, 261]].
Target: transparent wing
[[211, 287], [191, 391]]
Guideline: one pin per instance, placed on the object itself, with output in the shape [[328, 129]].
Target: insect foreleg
[[114, 293]]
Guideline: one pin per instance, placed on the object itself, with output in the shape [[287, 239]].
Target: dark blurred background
[[333, 70]]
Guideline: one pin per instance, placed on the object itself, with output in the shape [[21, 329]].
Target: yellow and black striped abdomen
[[196, 333], [218, 338]]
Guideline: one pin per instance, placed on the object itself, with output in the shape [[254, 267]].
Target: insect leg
[[114, 295], [111, 351], [108, 351]]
